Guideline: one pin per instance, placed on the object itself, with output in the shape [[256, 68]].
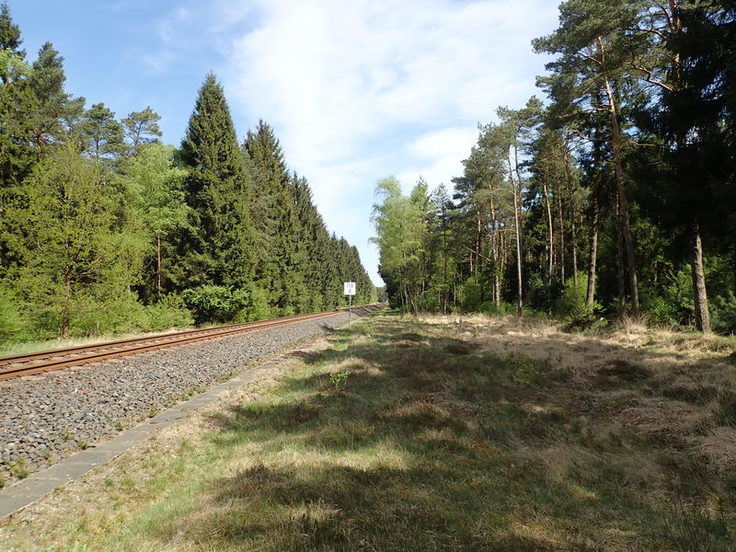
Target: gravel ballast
[[47, 417]]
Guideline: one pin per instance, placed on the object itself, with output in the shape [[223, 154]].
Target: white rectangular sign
[[349, 288]]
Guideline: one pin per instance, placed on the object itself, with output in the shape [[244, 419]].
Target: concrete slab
[[26, 492]]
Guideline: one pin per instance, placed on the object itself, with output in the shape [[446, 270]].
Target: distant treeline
[[103, 228], [615, 195]]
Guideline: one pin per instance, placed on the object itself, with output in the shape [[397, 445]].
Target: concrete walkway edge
[[27, 491]]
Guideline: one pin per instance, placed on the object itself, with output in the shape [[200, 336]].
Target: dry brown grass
[[444, 433]]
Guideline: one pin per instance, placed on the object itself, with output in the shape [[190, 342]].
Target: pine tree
[[593, 56], [53, 107], [141, 128], [102, 133]]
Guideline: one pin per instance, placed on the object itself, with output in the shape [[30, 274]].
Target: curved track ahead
[[14, 366]]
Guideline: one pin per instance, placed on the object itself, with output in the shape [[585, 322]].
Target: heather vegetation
[[615, 195], [105, 229]]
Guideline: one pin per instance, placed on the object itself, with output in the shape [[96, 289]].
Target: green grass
[[404, 437]]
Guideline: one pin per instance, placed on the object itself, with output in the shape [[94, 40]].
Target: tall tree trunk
[[503, 251], [571, 210], [616, 146], [495, 256], [734, 269], [478, 241], [517, 224], [620, 271], [702, 316], [159, 286], [550, 233], [445, 285], [561, 217], [65, 322], [573, 238], [592, 265]]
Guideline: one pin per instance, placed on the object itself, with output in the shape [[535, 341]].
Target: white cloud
[[439, 155], [364, 89]]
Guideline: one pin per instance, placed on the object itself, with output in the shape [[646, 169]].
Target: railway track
[[15, 366]]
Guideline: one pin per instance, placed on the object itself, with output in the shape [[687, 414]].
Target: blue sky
[[356, 90]]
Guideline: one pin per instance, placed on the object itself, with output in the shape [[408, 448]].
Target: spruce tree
[[16, 104], [16, 109], [272, 217], [10, 33], [219, 247]]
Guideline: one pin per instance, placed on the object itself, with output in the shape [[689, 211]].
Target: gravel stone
[[50, 416]]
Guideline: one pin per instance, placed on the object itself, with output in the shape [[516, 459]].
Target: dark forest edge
[[104, 229], [613, 197]]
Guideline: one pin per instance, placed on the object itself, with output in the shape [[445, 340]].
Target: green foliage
[[73, 253], [501, 309], [542, 295], [53, 109], [401, 228], [672, 304], [169, 312], [211, 303], [620, 174], [13, 323], [571, 305], [340, 379], [258, 307], [724, 314], [469, 295], [9, 32], [154, 197], [12, 66], [141, 128], [219, 246], [110, 315], [16, 105], [105, 229], [102, 133]]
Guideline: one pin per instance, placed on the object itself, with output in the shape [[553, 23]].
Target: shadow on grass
[[427, 445]]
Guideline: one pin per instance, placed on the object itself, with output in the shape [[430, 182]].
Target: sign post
[[348, 289]]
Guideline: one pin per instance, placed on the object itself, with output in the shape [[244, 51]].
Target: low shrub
[[169, 312], [724, 314], [115, 315], [572, 303], [215, 303], [14, 325], [257, 307], [673, 303], [469, 294]]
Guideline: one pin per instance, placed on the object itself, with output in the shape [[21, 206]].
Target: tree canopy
[[612, 196], [104, 228]]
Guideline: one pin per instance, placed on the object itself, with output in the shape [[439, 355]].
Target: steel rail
[[14, 366]]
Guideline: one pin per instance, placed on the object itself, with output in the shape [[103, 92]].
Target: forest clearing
[[432, 433]]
